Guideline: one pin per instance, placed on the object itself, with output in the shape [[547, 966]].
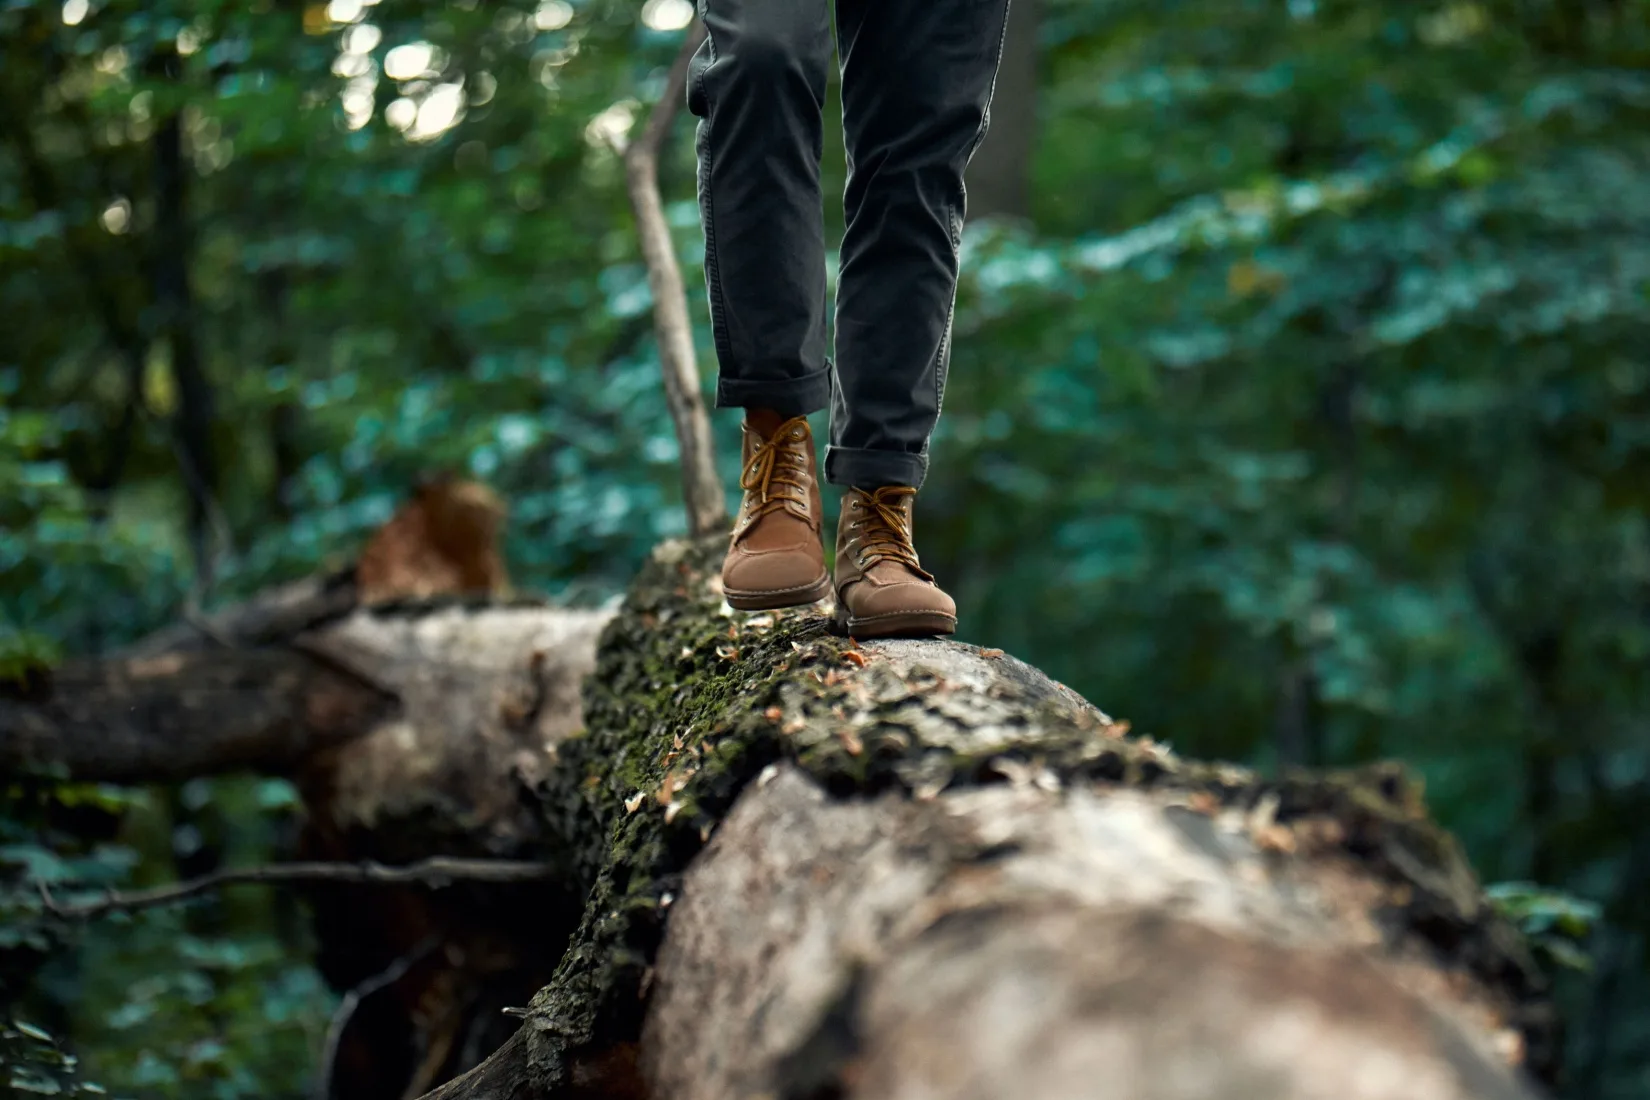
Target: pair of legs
[[917, 77]]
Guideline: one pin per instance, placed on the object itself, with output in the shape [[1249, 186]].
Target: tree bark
[[1009, 942], [179, 715], [795, 867]]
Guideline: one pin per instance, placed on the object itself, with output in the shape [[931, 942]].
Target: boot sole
[[915, 624], [773, 601]]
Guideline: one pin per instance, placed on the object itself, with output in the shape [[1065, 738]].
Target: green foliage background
[[1305, 417]]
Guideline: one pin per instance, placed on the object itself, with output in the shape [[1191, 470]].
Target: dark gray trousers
[[917, 77]]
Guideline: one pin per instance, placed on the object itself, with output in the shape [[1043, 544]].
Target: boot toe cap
[[915, 609], [773, 573], [898, 599]]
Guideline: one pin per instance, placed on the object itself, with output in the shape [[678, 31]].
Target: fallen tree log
[[790, 866], [921, 869], [411, 730]]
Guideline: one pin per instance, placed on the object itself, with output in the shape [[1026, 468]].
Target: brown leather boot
[[776, 557], [881, 590]]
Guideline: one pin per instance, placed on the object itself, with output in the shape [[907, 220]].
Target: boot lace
[[887, 534], [776, 477]]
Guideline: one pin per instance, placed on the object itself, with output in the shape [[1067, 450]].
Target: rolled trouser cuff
[[807, 393], [869, 469]]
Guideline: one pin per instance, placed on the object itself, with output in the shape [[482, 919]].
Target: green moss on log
[[691, 700]]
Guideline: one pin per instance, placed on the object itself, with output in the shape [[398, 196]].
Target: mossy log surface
[[921, 868]]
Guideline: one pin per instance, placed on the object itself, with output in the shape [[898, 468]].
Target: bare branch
[[352, 1000], [435, 873], [707, 511], [503, 1076], [178, 715]]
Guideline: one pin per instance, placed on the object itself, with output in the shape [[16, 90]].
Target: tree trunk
[[999, 176], [174, 301], [790, 866]]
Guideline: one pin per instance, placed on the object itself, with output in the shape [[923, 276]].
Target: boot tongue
[[890, 545], [774, 512]]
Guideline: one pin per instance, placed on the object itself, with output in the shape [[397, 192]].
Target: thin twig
[[436, 872], [707, 510], [352, 1000]]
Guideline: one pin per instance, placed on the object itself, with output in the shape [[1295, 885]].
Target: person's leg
[[917, 78], [757, 85]]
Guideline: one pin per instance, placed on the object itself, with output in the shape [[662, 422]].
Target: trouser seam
[[713, 266]]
